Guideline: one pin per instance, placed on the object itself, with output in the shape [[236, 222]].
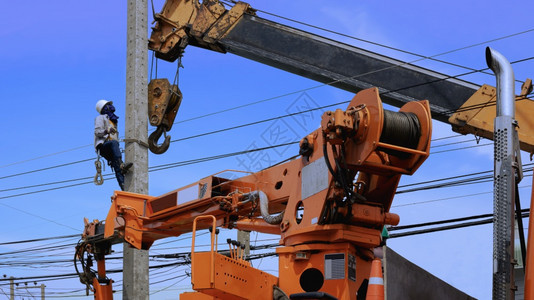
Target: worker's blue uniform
[[107, 144]]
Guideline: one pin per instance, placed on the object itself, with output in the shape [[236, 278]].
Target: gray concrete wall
[[404, 280]]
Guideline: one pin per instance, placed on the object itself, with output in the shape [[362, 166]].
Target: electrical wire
[[44, 156], [105, 176], [525, 166], [486, 219], [259, 122], [461, 148], [449, 198], [47, 168], [444, 145], [41, 239], [37, 216]]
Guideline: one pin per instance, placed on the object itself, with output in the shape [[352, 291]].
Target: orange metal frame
[[224, 277]]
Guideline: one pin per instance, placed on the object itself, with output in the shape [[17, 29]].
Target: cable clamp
[[144, 144]]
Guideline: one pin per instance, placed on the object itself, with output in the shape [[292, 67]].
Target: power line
[[47, 168], [215, 157], [458, 177], [105, 176], [45, 190], [486, 219], [259, 122], [110, 175], [46, 155], [450, 198], [461, 148], [448, 144], [37, 216], [465, 179], [41, 239], [447, 137]]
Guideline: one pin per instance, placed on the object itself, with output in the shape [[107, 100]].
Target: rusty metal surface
[[164, 101], [183, 22]]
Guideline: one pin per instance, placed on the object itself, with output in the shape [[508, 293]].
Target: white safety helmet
[[101, 103]]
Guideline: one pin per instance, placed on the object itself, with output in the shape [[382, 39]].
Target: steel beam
[[344, 66]]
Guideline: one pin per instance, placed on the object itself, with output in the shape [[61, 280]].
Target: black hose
[[327, 161], [520, 225], [341, 172]]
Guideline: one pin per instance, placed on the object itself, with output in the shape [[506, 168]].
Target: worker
[[107, 139]]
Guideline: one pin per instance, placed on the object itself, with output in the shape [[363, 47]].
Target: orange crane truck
[[329, 207]]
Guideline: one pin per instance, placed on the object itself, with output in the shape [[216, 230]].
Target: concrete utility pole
[[42, 287], [244, 238], [135, 263], [11, 288]]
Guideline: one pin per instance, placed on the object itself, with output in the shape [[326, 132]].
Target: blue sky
[[59, 57]]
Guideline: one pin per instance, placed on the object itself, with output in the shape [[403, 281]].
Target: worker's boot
[[125, 167]]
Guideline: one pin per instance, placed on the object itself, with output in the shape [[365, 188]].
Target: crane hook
[[153, 141]]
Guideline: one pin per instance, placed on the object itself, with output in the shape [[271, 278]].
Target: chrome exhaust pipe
[[505, 82]]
